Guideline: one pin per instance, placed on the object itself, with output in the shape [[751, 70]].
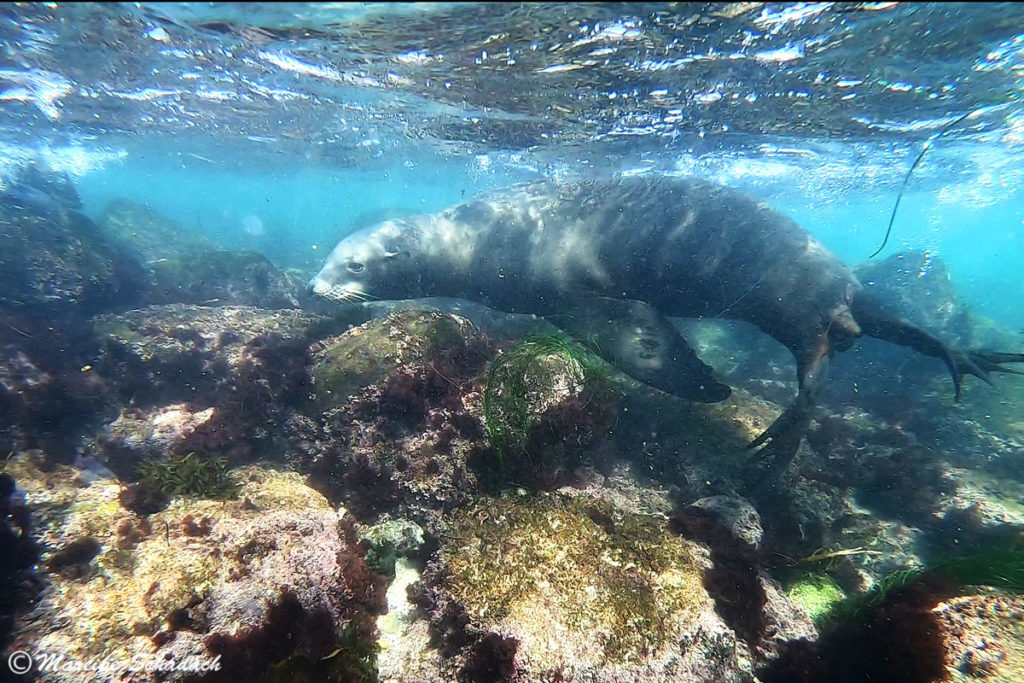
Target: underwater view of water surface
[[512, 342]]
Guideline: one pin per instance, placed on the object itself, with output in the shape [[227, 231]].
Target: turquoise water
[[305, 209], [302, 210]]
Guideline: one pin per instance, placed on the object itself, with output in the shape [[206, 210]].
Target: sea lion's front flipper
[[779, 443], [877, 322], [634, 337]]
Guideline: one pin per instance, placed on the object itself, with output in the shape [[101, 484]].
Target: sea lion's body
[[634, 250]]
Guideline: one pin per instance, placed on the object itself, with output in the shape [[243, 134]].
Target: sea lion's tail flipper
[[877, 322], [634, 337], [979, 364]]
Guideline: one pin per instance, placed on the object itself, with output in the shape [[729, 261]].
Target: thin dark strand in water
[[906, 178]]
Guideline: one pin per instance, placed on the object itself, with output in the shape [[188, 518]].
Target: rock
[[735, 516], [917, 285], [224, 278], [149, 235], [401, 423], [747, 598], [202, 378], [390, 540], [273, 579], [396, 417], [57, 261], [49, 392], [183, 267], [983, 636], [550, 587]]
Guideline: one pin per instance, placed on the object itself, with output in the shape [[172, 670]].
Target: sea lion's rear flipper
[[635, 338], [875, 321], [778, 444]]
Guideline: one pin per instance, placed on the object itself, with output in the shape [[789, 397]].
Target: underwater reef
[[200, 461]]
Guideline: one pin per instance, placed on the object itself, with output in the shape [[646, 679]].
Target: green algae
[[620, 583], [816, 593], [189, 475], [523, 380], [1001, 566], [390, 540], [353, 661]]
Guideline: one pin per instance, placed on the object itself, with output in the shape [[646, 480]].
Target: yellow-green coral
[[816, 593], [576, 581]]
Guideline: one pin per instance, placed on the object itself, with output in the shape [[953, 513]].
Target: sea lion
[[608, 259]]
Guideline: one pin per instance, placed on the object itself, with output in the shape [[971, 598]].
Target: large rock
[[183, 267], [49, 392], [58, 260], [271, 579], [917, 286], [400, 420], [205, 379], [574, 589]]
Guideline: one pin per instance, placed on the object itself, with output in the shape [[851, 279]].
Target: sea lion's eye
[[391, 250], [355, 267]]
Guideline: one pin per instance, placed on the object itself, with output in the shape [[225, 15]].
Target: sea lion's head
[[378, 262]]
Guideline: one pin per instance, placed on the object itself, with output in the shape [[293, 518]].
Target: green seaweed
[[188, 475], [519, 381], [1001, 566], [818, 594]]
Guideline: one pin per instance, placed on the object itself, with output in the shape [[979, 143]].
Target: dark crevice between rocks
[[899, 640], [733, 580], [18, 553]]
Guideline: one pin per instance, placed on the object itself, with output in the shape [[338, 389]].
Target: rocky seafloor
[[201, 462]]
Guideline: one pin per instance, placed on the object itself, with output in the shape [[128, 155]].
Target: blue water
[[304, 209]]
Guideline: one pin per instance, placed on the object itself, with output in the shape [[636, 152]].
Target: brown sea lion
[[608, 259]]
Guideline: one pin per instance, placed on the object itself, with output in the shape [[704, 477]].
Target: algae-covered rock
[[401, 406], [223, 278], [534, 588], [150, 235], [817, 594], [184, 267], [390, 540], [273, 576], [49, 392], [205, 379], [58, 260], [371, 352], [983, 636], [20, 552], [396, 419], [917, 286], [198, 353]]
